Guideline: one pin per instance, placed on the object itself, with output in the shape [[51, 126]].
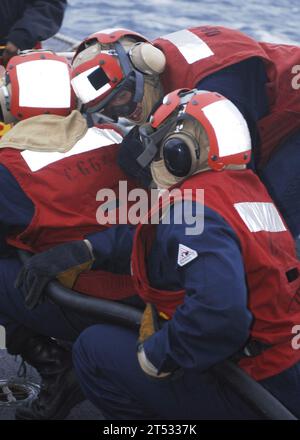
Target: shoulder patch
[[185, 255]]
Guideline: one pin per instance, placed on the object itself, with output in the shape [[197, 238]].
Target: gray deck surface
[[8, 369]]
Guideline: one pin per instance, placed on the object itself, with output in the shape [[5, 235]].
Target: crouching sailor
[[232, 290], [51, 167]]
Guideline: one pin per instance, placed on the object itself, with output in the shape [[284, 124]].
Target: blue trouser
[[47, 319], [281, 175], [106, 364]]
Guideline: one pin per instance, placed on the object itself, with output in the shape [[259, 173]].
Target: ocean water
[[267, 20]]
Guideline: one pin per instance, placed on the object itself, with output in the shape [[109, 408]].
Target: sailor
[[25, 23], [123, 74], [52, 166], [232, 290]]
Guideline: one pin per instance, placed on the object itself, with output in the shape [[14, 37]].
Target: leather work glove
[[65, 262], [151, 322]]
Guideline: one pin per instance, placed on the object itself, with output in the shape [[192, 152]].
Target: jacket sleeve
[[112, 248], [41, 20], [213, 322]]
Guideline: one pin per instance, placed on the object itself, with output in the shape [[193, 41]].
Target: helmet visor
[[91, 84]]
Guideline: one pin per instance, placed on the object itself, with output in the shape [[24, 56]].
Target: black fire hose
[[111, 311], [255, 395]]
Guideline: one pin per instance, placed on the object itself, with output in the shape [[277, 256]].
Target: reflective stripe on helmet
[[230, 127], [44, 83], [39, 83]]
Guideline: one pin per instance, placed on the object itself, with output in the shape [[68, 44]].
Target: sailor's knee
[[101, 346], [83, 346], [89, 347]]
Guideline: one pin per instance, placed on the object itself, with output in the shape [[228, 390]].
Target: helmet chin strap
[[128, 68], [151, 140], [139, 86]]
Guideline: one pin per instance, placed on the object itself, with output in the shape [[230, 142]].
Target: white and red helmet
[[227, 130], [37, 83], [99, 78]]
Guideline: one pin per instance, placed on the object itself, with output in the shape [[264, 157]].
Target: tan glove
[[4, 128], [149, 324], [69, 277]]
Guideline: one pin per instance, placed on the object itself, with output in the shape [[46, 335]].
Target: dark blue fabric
[[47, 319], [130, 149], [216, 299], [281, 175], [112, 248], [106, 364], [243, 84], [16, 208], [24, 22]]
